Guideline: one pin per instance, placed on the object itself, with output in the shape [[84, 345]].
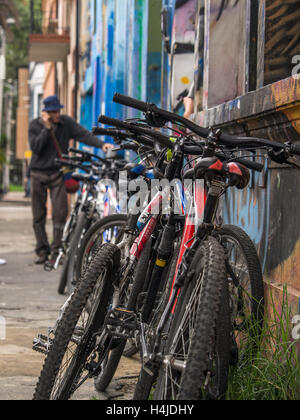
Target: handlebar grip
[[145, 141], [129, 146], [295, 150], [72, 164], [258, 167], [66, 157], [62, 162], [99, 131], [86, 154], [193, 150], [103, 119], [74, 150], [72, 158], [131, 102]]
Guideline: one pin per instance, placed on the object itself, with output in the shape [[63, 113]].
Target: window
[[225, 51], [282, 39]]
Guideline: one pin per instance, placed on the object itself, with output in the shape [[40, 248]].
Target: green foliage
[[272, 372], [2, 152], [17, 47], [16, 188], [2, 157]]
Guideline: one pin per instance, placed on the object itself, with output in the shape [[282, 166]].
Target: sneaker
[[41, 259]]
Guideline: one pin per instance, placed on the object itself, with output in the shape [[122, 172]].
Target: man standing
[[46, 174]]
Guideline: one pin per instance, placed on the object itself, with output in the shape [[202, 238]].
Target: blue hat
[[52, 104]]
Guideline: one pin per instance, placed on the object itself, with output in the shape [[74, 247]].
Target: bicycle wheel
[[83, 224], [72, 349], [196, 358], [69, 258], [246, 291], [67, 236], [107, 230]]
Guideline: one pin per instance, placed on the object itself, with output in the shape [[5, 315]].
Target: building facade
[[246, 55], [242, 58], [120, 52]]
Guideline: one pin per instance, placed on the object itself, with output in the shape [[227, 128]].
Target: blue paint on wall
[[119, 59]]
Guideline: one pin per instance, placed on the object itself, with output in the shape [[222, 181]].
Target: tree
[[17, 47], [8, 10]]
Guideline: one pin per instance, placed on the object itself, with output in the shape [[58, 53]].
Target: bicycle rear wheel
[[72, 350], [107, 230], [246, 291], [68, 267]]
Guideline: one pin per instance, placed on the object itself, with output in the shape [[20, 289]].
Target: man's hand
[[46, 120], [107, 146], [189, 107]]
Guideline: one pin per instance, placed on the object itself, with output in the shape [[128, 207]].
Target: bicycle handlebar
[[164, 140], [203, 132], [72, 165], [86, 154], [109, 132], [256, 166]]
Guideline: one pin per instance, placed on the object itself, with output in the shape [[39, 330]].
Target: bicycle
[[108, 326], [89, 207], [188, 236], [188, 384]]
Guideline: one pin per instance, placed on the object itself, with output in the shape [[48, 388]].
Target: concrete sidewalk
[[15, 198], [29, 304]]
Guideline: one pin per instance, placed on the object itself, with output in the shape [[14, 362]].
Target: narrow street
[[29, 303]]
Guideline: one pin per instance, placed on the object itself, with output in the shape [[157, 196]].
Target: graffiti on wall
[[182, 51], [224, 55], [250, 209], [282, 38], [224, 5]]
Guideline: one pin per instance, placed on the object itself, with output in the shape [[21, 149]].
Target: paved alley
[[29, 303]]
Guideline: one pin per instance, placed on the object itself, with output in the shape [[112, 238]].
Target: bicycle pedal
[[48, 266], [121, 323], [42, 344]]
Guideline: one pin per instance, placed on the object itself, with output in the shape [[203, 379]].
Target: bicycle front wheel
[[72, 352], [196, 358]]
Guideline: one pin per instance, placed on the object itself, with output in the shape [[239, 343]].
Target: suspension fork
[[215, 190], [164, 253]]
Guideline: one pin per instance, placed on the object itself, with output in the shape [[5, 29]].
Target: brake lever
[[279, 157]]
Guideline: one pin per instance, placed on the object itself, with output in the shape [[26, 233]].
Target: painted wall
[[269, 208], [124, 55], [282, 38], [182, 49]]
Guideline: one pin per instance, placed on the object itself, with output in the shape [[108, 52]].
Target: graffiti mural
[[250, 210], [282, 38], [224, 57], [224, 5], [182, 49]]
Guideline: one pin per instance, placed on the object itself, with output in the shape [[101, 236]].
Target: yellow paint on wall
[[185, 80], [286, 100], [288, 272]]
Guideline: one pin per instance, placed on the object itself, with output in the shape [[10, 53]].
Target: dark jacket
[[43, 149]]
